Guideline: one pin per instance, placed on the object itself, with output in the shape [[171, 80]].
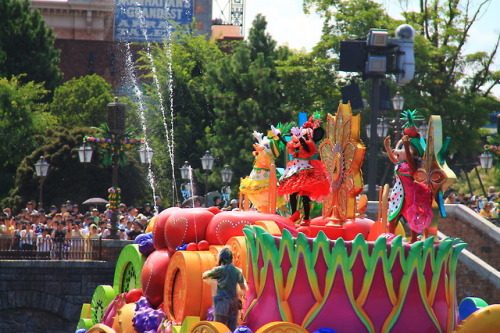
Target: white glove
[[275, 130]]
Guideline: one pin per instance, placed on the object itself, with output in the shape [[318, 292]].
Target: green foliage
[[70, 179], [19, 120], [187, 56], [26, 45], [448, 82], [82, 101]]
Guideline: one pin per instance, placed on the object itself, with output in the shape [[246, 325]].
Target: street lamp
[[486, 160], [186, 176], [146, 154], [114, 141], [207, 162], [226, 174], [397, 104], [85, 154], [382, 129], [41, 168]]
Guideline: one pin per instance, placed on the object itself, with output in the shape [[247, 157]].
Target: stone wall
[[47, 296]]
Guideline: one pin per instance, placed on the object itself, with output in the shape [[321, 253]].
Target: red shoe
[[305, 223], [295, 216]]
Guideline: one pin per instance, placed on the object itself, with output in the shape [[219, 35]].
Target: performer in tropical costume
[[408, 198], [304, 176]]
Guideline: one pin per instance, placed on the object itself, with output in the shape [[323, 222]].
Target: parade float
[[337, 272]]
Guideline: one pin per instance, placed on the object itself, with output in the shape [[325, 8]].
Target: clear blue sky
[[288, 25]]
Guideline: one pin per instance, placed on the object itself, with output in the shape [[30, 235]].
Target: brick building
[[87, 31]]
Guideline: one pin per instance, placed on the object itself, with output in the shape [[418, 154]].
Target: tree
[[20, 116], [448, 82], [246, 97], [181, 66], [26, 45], [82, 101], [70, 179]]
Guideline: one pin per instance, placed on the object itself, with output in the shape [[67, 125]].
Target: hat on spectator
[[234, 201], [122, 228]]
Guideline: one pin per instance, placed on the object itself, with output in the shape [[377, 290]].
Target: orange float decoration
[[185, 293]]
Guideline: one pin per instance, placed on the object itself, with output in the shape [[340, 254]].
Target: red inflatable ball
[[203, 245], [192, 247], [159, 228], [133, 295], [358, 226], [320, 221], [153, 276], [229, 224], [186, 225]]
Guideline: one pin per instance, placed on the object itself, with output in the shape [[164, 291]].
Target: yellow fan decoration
[[342, 152]]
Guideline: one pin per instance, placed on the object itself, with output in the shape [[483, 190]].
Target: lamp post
[[397, 104], [207, 163], [41, 169], [227, 175], [186, 176], [146, 154], [115, 142]]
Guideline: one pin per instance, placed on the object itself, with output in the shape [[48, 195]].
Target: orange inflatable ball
[[186, 225], [123, 321], [358, 226], [153, 276], [133, 295], [203, 245], [159, 228]]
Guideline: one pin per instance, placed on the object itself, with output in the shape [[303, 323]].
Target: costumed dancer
[[304, 176], [408, 199], [256, 185], [226, 301]]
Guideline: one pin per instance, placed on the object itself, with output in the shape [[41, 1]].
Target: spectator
[[27, 237], [44, 244], [492, 193], [451, 199], [136, 230], [122, 232], [487, 211], [58, 236], [94, 231], [148, 211], [7, 212], [159, 207], [3, 227]]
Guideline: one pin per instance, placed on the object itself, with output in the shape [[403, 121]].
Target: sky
[[288, 24]]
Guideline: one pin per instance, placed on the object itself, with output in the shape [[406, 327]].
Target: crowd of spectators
[[486, 206], [48, 231]]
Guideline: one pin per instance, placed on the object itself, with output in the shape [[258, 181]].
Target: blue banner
[[147, 20]]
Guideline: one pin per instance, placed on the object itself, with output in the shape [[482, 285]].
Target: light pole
[[207, 162], [227, 175], [114, 141], [41, 168], [186, 176], [397, 104]]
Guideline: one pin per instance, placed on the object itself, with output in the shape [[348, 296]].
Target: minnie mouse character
[[408, 198], [304, 176]]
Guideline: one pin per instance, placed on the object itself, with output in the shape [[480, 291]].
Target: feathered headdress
[[411, 130], [313, 121]]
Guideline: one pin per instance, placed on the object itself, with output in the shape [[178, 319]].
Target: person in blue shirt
[[225, 301]]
